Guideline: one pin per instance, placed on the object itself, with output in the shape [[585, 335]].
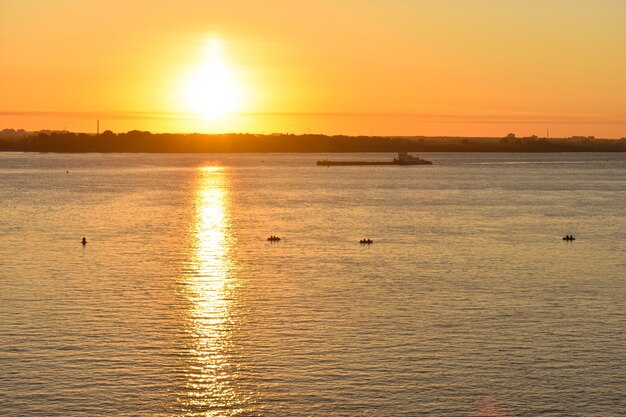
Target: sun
[[211, 91]]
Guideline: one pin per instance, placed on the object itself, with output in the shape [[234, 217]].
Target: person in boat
[[84, 241]]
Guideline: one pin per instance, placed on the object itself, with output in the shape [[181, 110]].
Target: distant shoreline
[[146, 142]]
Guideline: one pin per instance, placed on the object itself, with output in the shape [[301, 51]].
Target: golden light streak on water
[[210, 288]]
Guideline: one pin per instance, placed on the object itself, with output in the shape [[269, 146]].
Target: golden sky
[[380, 67]]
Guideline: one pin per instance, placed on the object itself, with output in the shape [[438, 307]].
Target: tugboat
[[402, 159], [406, 159]]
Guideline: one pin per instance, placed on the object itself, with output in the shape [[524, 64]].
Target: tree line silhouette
[[141, 141]]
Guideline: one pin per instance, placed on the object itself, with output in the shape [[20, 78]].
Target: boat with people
[[403, 158]]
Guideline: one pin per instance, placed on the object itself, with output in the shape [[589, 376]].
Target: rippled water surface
[[468, 303]]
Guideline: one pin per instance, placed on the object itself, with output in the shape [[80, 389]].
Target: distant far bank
[[145, 142]]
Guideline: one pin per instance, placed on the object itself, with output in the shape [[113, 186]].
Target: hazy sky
[[474, 67]]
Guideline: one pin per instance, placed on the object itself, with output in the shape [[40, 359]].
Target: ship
[[402, 159]]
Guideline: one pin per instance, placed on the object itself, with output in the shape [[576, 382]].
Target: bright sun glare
[[212, 92]]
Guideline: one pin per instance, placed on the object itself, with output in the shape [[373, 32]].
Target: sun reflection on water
[[210, 287]]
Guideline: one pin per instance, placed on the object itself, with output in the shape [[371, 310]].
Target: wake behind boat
[[402, 159]]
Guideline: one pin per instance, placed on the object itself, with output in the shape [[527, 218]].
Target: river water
[[468, 303]]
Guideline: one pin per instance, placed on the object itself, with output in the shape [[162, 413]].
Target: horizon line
[[330, 135]]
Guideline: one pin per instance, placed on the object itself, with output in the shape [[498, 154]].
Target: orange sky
[[395, 67]]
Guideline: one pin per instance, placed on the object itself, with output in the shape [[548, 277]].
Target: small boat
[[402, 159], [273, 239], [568, 237], [366, 241]]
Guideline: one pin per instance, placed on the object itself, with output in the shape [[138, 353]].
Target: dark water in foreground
[[467, 304]]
